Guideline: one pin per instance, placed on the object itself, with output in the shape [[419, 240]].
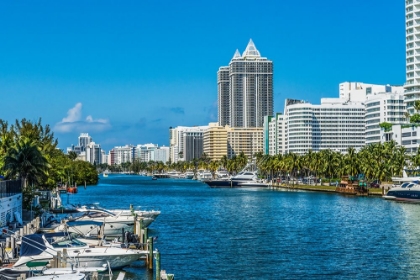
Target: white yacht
[[174, 174], [114, 223], [189, 175], [38, 249], [248, 174], [153, 214], [408, 191], [204, 175]]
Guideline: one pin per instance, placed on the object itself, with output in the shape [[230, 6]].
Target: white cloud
[[73, 122], [73, 114]]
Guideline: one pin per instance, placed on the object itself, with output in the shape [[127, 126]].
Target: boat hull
[[89, 257], [407, 194], [253, 185], [222, 183]]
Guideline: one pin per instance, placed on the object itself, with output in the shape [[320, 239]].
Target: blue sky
[[125, 71]]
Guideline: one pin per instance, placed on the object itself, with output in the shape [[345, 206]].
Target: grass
[[373, 191]]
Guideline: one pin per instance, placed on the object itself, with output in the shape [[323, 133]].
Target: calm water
[[206, 233]]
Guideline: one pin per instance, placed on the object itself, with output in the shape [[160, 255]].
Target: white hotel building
[[337, 123], [383, 107], [412, 52]]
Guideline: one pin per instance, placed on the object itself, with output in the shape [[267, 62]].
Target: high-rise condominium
[[245, 89], [412, 51]]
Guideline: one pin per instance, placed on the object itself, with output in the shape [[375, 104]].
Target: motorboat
[[408, 191], [189, 175], [174, 174], [114, 223], [153, 214], [73, 276], [77, 230], [222, 173], [38, 249], [83, 228], [204, 175], [248, 174], [105, 173], [254, 183], [73, 273]]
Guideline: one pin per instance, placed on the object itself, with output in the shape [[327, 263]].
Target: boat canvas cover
[[33, 244]]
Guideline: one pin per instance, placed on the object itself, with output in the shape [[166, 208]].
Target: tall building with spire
[[245, 89]]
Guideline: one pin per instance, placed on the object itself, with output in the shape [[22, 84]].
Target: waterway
[[217, 233]]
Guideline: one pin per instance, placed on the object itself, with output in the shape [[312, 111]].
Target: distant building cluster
[[88, 150], [362, 114]]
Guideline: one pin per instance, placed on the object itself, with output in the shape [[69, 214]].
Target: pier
[[9, 250]]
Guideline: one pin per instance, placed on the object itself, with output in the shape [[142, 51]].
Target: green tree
[[26, 162]]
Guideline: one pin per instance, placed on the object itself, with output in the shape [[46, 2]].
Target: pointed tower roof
[[237, 54], [251, 50]]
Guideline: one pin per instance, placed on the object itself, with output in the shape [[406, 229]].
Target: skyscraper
[[245, 89], [412, 49], [84, 140]]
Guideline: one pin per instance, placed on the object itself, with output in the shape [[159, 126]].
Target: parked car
[[375, 184]]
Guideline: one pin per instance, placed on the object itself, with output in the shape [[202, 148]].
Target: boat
[[248, 174], [82, 230], [63, 273], [38, 249], [114, 223], [189, 175], [408, 191], [74, 273], [154, 178], [174, 174], [204, 175], [66, 276], [72, 189], [254, 183], [153, 214], [405, 188]]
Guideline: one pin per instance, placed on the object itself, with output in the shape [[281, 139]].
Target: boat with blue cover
[[408, 191]]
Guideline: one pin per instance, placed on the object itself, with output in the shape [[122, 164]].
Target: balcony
[[10, 188]]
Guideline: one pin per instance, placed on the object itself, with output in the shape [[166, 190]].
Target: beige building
[[215, 141], [247, 140]]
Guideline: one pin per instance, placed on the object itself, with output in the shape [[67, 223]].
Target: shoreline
[[326, 189]]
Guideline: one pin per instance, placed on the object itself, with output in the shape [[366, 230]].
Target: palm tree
[[213, 166], [72, 155], [351, 162], [329, 162], [224, 161], [242, 160], [25, 161], [293, 164]]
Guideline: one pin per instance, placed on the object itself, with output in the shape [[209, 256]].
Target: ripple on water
[[207, 233]]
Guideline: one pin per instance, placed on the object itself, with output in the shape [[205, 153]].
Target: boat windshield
[[404, 185], [98, 208], [411, 185], [67, 241]]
